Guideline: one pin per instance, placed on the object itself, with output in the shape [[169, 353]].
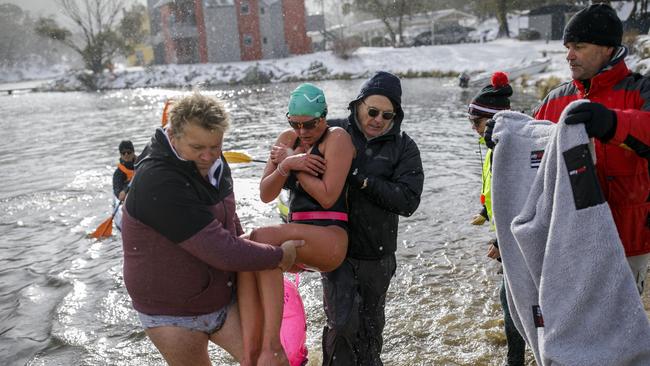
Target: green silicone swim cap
[[307, 100]]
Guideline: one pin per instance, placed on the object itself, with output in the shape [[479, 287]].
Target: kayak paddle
[[234, 157], [105, 229]]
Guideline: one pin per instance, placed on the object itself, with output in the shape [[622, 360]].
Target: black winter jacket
[[120, 182], [392, 164]]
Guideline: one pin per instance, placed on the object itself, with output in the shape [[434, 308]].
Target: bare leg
[[270, 287], [271, 290], [325, 246], [229, 337], [251, 320], [180, 346]]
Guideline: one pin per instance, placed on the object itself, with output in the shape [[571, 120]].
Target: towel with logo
[[516, 159], [569, 281]]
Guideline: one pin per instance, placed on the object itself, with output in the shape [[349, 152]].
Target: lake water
[[62, 296]]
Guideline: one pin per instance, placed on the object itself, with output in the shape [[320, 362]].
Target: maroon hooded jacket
[[181, 237]]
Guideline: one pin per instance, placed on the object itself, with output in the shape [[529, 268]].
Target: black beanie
[[596, 24], [382, 83], [492, 98], [386, 84], [126, 145]]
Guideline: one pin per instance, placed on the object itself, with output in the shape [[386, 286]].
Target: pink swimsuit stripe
[[318, 215]]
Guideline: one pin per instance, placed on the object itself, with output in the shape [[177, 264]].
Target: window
[[248, 40], [262, 10], [264, 40], [245, 9]]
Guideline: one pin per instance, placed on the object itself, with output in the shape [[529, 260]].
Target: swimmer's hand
[[280, 152]]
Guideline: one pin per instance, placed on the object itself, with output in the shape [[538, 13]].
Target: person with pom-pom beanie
[[492, 99]]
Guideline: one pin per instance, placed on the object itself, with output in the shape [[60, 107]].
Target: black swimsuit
[[301, 201]]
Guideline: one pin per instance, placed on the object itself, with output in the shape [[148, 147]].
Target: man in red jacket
[[618, 117]]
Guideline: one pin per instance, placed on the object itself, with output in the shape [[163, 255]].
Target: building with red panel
[[201, 31]]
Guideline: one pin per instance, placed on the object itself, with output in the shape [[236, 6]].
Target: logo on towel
[[577, 171], [538, 319], [536, 158]]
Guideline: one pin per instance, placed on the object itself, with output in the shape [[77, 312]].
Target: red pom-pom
[[499, 79]]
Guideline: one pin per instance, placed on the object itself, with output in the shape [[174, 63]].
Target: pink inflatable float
[[293, 332]]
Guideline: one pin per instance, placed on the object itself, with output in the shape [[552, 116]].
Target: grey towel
[[592, 313], [516, 159], [570, 287]]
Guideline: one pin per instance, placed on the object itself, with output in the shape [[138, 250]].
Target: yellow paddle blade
[[104, 230], [234, 157]]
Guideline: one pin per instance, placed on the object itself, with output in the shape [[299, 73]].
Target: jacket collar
[[608, 76]]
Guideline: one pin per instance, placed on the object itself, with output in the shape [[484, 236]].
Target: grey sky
[[43, 7]]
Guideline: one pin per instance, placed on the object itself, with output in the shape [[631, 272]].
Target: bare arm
[[338, 151], [272, 180]]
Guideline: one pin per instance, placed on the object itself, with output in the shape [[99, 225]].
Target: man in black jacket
[[385, 181]]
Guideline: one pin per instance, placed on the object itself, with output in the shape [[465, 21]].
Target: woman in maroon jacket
[[181, 238]]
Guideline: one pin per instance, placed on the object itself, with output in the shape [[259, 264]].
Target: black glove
[[599, 121], [356, 177], [487, 135]]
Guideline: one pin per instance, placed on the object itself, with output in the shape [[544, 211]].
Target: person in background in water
[[617, 116], [124, 171], [385, 182], [492, 99], [181, 239], [312, 161]]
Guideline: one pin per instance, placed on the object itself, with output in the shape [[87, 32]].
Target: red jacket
[[623, 162]]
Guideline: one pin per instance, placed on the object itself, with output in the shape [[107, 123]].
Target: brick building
[[202, 31]]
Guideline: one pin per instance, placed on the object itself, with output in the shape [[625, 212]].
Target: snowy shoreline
[[426, 61]]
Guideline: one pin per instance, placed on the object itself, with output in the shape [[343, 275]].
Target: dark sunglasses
[[374, 112], [126, 152], [307, 125]]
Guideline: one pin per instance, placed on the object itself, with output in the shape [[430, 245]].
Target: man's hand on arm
[[356, 176]]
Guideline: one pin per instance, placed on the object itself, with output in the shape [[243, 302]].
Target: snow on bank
[[25, 71], [416, 61], [437, 60]]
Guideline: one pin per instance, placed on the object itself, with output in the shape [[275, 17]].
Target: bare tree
[[500, 9], [95, 24], [131, 26], [640, 8], [391, 13], [20, 46], [502, 17]]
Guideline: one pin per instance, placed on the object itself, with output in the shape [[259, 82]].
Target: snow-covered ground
[[415, 61]]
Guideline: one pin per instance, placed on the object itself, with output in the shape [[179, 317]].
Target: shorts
[[206, 323]]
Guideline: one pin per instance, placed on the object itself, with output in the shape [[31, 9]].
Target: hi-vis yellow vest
[[486, 179]]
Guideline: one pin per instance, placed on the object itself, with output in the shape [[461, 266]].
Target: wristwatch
[[365, 183]]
